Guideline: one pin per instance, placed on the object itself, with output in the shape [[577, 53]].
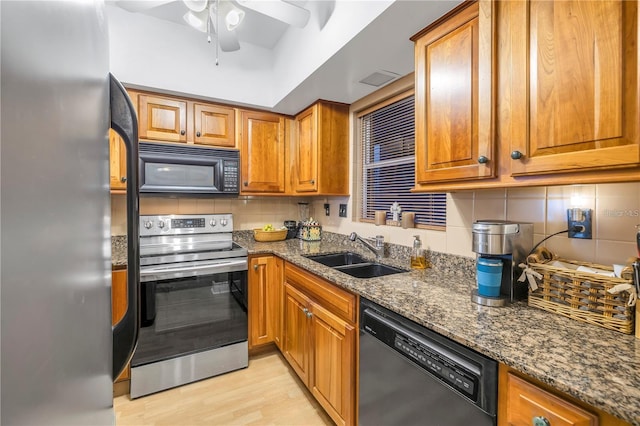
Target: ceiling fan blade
[[282, 11], [140, 5], [228, 40]]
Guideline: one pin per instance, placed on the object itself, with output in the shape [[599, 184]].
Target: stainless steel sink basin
[[369, 270], [338, 259], [355, 265]]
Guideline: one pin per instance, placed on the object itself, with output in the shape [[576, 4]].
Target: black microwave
[[176, 169]]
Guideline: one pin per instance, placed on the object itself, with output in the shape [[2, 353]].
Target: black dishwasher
[[410, 375]]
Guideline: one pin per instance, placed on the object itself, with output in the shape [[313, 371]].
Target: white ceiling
[[278, 68]]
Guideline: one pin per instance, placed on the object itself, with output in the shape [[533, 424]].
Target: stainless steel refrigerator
[[58, 102]]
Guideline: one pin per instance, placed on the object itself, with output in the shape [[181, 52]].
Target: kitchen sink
[[338, 259], [369, 270], [355, 265]]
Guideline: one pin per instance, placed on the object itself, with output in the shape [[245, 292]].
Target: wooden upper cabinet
[[320, 150], [454, 102], [163, 119], [574, 97], [306, 152], [117, 162], [169, 119], [262, 151], [214, 125]]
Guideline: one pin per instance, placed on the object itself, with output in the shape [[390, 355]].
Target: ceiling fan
[[222, 17]]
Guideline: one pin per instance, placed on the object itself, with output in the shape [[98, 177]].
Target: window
[[388, 165]]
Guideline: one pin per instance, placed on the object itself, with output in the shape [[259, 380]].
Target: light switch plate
[[342, 212], [327, 209]]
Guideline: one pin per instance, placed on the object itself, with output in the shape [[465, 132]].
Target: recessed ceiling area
[[278, 67]]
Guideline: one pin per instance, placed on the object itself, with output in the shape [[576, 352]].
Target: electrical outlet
[[327, 209], [579, 223], [342, 212]]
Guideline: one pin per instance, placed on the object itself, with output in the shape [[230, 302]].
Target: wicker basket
[[583, 296], [266, 236]]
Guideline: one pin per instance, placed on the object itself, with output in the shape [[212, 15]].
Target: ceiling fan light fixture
[[233, 18], [196, 5], [197, 20]]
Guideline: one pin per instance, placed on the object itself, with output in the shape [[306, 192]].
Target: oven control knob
[[161, 224], [223, 222], [148, 224], [212, 222]]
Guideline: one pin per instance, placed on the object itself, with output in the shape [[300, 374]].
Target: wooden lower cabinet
[[523, 401], [319, 341], [118, 308], [265, 300]]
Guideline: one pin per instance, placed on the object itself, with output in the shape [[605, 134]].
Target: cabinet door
[[214, 125], [332, 381], [119, 305], [117, 162], [306, 151], [163, 119], [453, 91], [278, 299], [574, 102], [527, 403], [118, 295], [263, 152], [296, 331], [265, 299]]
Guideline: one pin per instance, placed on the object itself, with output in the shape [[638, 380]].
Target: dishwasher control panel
[[438, 365]]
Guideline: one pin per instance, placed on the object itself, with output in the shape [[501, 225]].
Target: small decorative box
[[311, 232]]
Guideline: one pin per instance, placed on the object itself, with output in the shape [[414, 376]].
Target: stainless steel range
[[193, 296]]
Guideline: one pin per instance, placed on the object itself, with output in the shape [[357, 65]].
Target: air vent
[[379, 78]]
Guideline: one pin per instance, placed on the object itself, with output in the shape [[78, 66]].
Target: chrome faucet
[[377, 247]]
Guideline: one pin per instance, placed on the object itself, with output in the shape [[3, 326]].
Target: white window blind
[[388, 165]]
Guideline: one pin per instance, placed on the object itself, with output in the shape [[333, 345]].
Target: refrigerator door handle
[[125, 123]]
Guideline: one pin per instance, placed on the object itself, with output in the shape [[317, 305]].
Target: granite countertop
[[598, 366], [119, 251]]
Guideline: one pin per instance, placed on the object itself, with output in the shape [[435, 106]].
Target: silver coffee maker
[[510, 242]]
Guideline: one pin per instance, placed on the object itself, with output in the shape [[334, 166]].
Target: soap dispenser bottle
[[418, 254]]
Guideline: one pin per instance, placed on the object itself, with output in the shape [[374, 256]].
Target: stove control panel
[[152, 225]]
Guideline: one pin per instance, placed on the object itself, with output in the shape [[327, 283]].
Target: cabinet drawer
[[527, 403], [338, 301]]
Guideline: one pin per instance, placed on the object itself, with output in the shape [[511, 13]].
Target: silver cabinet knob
[[483, 159], [212, 222], [255, 267], [123, 179], [516, 155], [540, 421], [245, 183], [198, 134], [313, 182], [305, 310], [148, 224], [182, 132], [309, 314]]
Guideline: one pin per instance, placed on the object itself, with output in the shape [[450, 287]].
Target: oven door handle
[[151, 274]]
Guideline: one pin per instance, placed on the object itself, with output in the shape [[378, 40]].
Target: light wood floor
[[265, 393]]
